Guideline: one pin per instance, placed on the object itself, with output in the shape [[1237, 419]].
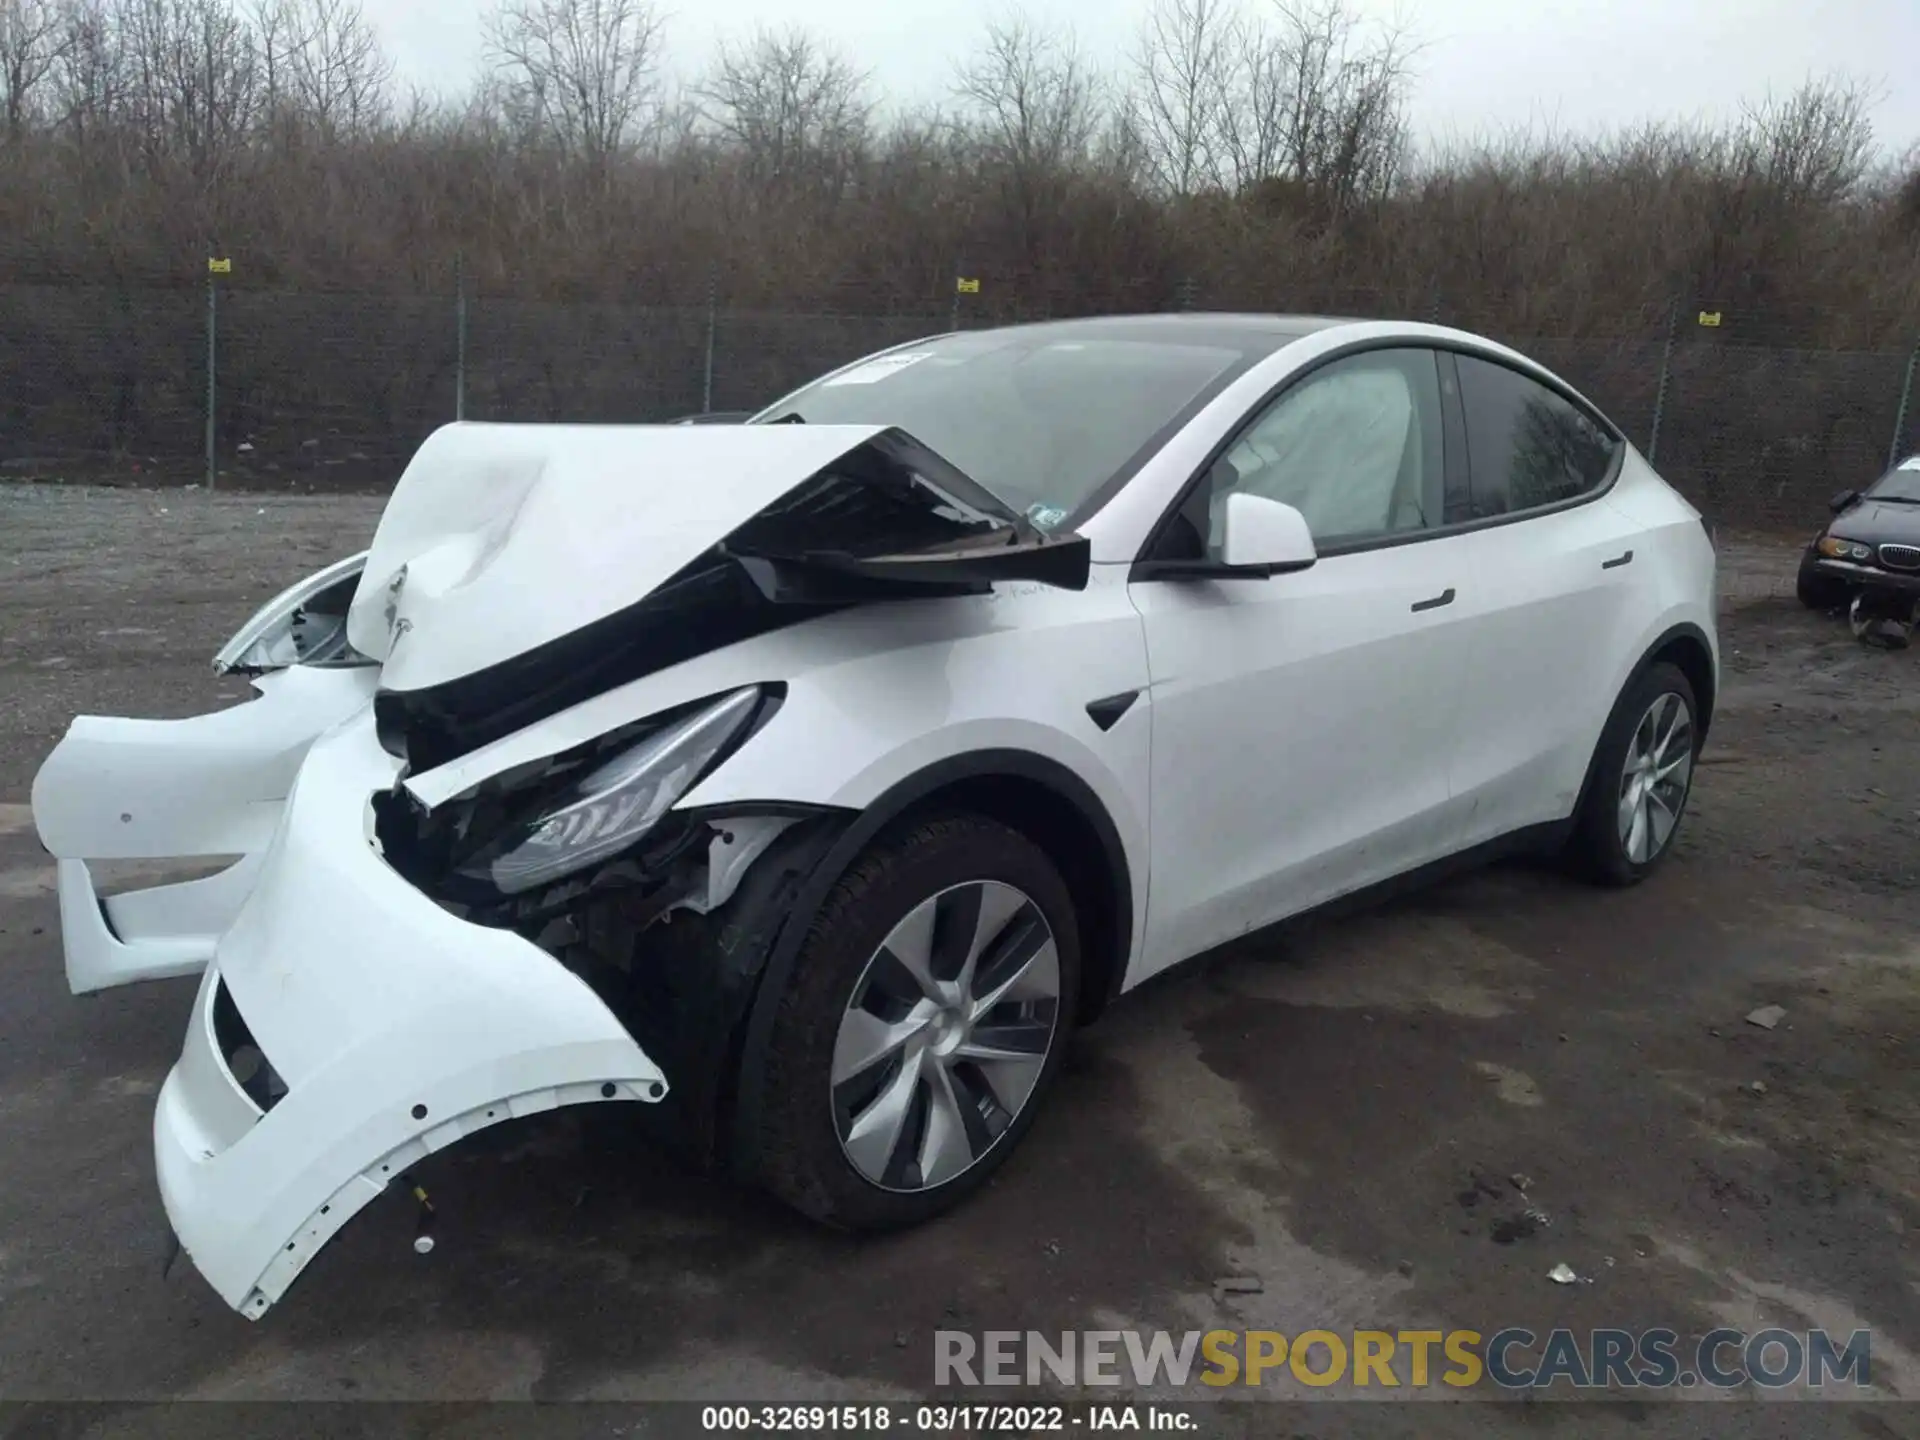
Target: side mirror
[[1259, 536], [1842, 500]]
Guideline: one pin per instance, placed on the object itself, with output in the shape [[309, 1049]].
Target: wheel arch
[[1038, 796], [1687, 647], [1054, 808]]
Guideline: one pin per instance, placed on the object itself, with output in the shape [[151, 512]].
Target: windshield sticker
[[876, 370], [1044, 516]]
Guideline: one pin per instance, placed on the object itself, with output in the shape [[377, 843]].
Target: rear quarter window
[[1528, 446]]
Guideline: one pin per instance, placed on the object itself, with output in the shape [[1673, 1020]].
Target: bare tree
[[1035, 95], [1902, 194], [89, 81], [322, 66], [133, 139], [1121, 149], [1183, 63], [1814, 147], [1343, 132], [1311, 98], [1770, 184], [192, 80], [33, 37], [1251, 143], [1036, 107], [580, 72], [791, 106]]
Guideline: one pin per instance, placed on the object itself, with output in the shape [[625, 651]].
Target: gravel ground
[[1336, 1110]]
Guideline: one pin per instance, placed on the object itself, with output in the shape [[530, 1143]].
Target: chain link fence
[[269, 389]]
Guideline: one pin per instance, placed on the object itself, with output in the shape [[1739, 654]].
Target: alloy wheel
[[946, 1035], [1653, 783]]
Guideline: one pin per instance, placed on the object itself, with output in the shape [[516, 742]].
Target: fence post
[[1666, 368], [1433, 306], [713, 322], [213, 330], [1186, 292], [959, 273], [460, 335], [1900, 416]]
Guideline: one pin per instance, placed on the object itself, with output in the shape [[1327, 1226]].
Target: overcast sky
[[1570, 65]]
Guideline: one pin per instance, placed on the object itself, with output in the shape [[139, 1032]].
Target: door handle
[[1617, 561], [1445, 597]]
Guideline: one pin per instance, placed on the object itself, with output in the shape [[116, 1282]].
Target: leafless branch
[[579, 72]]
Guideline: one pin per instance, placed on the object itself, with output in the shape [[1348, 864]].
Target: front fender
[[876, 695]]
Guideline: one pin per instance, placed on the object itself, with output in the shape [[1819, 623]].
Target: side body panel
[[1556, 602], [1301, 726], [1681, 580], [1564, 623]]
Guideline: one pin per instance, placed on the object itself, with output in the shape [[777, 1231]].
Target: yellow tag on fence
[[219, 267], [967, 287], [1710, 318]]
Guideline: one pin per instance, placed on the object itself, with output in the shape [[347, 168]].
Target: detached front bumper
[[116, 789], [391, 1027], [1849, 573], [157, 934], [212, 785]]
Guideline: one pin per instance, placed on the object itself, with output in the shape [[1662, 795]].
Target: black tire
[[1597, 848], [1817, 591], [798, 1151]]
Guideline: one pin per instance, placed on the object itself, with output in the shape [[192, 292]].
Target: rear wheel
[[922, 1026], [1642, 776]]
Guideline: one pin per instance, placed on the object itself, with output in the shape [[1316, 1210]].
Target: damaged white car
[[806, 781]]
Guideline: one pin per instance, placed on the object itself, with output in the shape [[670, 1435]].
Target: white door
[[1302, 724], [1559, 591]]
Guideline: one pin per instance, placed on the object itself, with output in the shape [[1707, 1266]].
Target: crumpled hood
[[502, 538]]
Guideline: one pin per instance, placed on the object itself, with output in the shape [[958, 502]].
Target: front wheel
[[1642, 776], [922, 1025]]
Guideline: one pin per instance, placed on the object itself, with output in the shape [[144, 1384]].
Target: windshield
[[1040, 419], [1900, 483]]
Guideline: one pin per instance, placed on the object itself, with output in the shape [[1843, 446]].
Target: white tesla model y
[[806, 781]]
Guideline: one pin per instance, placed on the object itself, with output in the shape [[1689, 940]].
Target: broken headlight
[[616, 803], [305, 624]]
